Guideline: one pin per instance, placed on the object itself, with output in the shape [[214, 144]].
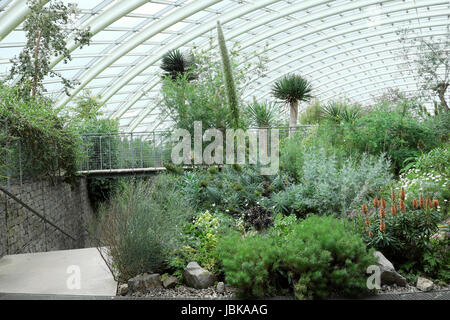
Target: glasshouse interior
[[225, 149]]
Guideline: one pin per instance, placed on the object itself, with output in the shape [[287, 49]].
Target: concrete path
[[66, 272]]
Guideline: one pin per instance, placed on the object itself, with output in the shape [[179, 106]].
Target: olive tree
[[430, 64], [47, 28]]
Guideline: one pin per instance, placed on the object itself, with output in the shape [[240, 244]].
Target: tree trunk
[[36, 64], [293, 118], [441, 92]]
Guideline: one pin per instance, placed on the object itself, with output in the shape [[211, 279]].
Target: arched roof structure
[[346, 48]]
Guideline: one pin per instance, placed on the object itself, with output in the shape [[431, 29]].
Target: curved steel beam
[[117, 11], [332, 35], [13, 16], [132, 43], [183, 40], [391, 10]]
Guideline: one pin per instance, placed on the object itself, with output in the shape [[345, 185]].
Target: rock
[[220, 287], [144, 282], [170, 282], [123, 289], [423, 284], [388, 274], [197, 277]]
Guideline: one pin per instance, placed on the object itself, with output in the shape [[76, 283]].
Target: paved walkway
[[65, 272]]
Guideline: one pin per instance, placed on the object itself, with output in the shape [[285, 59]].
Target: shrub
[[398, 135], [402, 230], [198, 244], [258, 218], [428, 174], [232, 190], [48, 145], [326, 188], [141, 226], [314, 258]]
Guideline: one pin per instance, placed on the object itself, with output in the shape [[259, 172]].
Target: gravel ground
[[408, 289], [211, 293], [185, 292]]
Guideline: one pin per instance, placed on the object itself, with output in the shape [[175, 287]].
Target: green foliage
[[230, 86], [175, 64], [325, 187], [232, 190], [141, 226], [199, 243], [47, 29], [292, 88], [40, 140], [406, 236], [339, 111], [263, 115], [314, 258], [204, 99], [313, 113], [399, 136]]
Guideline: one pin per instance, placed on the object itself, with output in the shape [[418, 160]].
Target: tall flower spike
[[421, 202], [364, 209], [382, 226], [393, 210], [435, 204], [375, 203], [429, 203], [402, 194], [414, 203], [383, 203], [402, 206], [382, 213], [393, 196]]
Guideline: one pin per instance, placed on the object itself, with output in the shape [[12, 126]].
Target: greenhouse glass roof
[[346, 48]]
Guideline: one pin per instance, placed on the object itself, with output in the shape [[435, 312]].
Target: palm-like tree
[[175, 64], [292, 89]]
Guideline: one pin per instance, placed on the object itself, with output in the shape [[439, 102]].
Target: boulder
[[220, 287], [388, 274], [423, 284], [197, 277], [170, 282], [144, 282], [123, 289]]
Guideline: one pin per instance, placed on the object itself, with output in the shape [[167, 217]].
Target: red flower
[[402, 194], [435, 204], [414, 203], [382, 213], [402, 206], [382, 226], [383, 203], [375, 202], [364, 209], [394, 210]]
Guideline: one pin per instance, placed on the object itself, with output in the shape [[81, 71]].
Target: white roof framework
[[346, 48]]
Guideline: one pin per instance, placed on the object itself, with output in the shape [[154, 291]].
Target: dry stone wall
[[66, 206]]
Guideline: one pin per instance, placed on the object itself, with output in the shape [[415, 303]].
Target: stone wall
[[66, 206]]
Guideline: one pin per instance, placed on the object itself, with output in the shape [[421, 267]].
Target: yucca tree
[[292, 89], [176, 63]]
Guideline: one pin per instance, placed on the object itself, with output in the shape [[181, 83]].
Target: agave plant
[[175, 64], [292, 89], [263, 115], [339, 111]]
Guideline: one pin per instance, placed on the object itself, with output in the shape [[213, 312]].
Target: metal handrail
[[9, 194]]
